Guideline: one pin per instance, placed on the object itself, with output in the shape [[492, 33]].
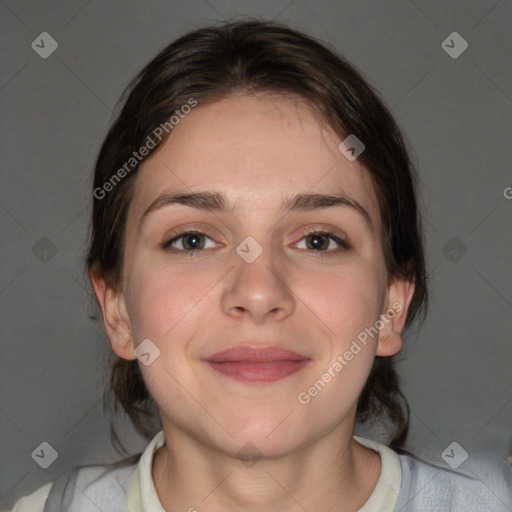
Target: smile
[[265, 371], [257, 364]]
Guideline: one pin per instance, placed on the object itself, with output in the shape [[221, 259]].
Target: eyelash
[[323, 253]]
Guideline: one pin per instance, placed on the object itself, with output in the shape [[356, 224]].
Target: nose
[[258, 289]]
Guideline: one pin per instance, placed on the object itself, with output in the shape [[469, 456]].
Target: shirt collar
[[142, 495]]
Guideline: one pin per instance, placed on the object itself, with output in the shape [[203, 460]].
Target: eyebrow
[[217, 202]]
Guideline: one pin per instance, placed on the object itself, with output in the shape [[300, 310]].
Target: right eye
[[188, 241]]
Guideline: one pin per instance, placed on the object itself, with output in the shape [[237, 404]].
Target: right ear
[[115, 315]]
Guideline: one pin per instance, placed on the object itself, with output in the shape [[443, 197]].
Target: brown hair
[[252, 56]]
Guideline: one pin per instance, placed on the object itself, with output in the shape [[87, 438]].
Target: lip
[[255, 354], [257, 364]]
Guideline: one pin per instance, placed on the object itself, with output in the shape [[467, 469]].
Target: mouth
[[257, 364]]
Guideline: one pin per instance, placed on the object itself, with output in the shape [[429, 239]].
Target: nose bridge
[[258, 286]]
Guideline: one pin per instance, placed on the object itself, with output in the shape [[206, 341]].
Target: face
[[255, 273]]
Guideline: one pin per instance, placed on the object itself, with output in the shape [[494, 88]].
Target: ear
[[398, 298], [115, 316]]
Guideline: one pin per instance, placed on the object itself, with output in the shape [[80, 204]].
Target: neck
[[333, 474]]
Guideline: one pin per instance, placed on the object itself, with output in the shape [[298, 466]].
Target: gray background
[[456, 114]]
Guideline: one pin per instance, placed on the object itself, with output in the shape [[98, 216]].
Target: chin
[[270, 437]]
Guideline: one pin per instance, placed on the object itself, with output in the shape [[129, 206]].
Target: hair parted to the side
[[248, 57]]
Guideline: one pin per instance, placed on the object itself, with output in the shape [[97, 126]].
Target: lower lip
[[268, 371]]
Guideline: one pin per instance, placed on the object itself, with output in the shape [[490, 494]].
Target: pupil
[[195, 241], [316, 241]]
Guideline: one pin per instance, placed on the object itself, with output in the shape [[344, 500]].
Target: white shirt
[[405, 484]]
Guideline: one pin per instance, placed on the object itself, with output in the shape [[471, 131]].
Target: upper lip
[[253, 353]]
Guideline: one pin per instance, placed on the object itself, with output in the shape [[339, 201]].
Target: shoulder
[[83, 488], [33, 502], [485, 485]]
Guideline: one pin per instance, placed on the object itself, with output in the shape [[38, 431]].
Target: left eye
[[322, 241]]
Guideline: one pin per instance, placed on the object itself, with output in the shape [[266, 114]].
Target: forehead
[[257, 150]]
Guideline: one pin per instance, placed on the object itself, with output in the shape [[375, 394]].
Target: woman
[[257, 254]]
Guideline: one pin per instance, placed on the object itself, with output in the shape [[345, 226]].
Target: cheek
[[162, 302], [167, 307], [347, 301]]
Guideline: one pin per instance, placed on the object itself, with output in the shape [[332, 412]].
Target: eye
[[315, 241], [188, 241], [323, 241]]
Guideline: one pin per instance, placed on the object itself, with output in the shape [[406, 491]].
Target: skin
[[257, 150]]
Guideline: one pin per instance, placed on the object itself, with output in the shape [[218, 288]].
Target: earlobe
[[399, 296], [115, 316]]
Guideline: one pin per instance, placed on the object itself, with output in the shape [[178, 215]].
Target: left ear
[[398, 297]]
